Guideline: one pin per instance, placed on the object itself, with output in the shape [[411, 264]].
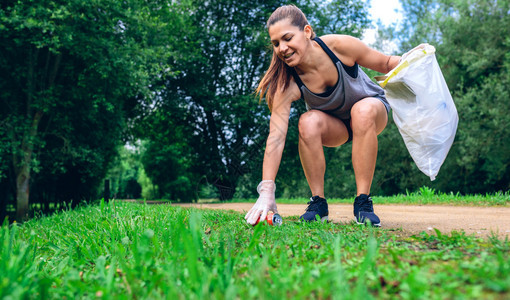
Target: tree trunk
[[22, 193], [22, 159], [4, 197]]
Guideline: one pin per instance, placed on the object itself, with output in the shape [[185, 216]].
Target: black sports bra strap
[[296, 77], [326, 49], [351, 70], [298, 80]]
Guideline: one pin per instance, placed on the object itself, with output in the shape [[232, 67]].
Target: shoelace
[[313, 205], [366, 206]]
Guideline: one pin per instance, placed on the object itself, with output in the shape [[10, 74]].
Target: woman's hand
[[264, 204]]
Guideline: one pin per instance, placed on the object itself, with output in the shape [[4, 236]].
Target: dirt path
[[411, 219]]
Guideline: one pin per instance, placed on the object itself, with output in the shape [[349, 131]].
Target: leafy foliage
[[125, 174], [76, 71], [472, 44], [207, 115], [337, 17]]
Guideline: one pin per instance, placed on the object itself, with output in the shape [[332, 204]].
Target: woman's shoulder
[[287, 95], [335, 37], [339, 41], [347, 48], [292, 92]]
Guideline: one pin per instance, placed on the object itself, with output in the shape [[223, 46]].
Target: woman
[[344, 105]]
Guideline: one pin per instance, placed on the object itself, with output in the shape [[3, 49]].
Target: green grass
[[128, 250], [424, 196]]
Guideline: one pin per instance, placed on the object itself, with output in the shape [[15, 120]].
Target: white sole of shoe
[[375, 225]]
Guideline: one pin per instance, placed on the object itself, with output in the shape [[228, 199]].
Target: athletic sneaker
[[364, 210], [316, 206]]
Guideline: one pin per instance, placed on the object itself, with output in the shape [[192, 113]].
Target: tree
[[337, 17], [73, 56], [472, 46], [209, 106], [476, 63], [125, 173], [166, 157]]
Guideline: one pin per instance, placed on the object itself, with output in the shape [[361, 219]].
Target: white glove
[[264, 204]]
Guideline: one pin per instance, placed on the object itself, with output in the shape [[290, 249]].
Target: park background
[[157, 97]]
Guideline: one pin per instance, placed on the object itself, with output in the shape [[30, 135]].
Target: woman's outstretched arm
[[278, 127]]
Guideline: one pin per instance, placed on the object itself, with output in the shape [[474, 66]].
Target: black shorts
[[348, 121], [349, 129], [347, 124]]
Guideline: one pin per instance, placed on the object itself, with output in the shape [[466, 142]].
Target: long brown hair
[[278, 74]]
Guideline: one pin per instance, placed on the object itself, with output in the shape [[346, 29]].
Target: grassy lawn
[[129, 250]]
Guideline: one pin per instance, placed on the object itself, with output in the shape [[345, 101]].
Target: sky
[[386, 11]]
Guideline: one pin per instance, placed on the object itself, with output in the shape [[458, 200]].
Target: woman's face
[[289, 42]]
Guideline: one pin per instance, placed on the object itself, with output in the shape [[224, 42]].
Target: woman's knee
[[310, 125], [364, 117]]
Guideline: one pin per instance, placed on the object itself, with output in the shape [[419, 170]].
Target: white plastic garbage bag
[[423, 108]]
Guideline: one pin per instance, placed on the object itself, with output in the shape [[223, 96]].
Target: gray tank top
[[352, 86]]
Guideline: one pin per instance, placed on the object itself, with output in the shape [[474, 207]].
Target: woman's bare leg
[[318, 129], [368, 119]]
